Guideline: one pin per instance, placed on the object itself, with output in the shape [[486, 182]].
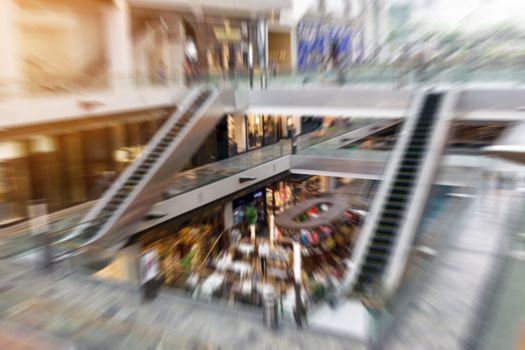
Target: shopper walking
[[264, 252], [293, 138]]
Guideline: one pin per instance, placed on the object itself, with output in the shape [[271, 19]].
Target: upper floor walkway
[[477, 104]]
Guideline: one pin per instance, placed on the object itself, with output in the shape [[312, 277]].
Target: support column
[[119, 48], [332, 184], [228, 215], [161, 54], [325, 184], [10, 70], [118, 141], [177, 56], [262, 50], [293, 49], [75, 167]]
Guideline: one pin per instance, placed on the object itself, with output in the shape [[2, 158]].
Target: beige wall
[[60, 45], [158, 45]]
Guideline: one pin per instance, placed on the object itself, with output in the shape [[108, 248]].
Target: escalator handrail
[[90, 217], [367, 233], [204, 105]]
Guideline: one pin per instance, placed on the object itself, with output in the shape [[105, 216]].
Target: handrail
[[370, 224], [423, 182], [114, 188], [398, 76]]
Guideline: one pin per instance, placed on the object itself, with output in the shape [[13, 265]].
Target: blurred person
[[274, 68], [264, 252], [162, 72]]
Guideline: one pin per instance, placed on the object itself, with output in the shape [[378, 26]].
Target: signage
[[227, 33]]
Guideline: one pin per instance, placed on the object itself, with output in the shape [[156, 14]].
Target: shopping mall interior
[[273, 174]]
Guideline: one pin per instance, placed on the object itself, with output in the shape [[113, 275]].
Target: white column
[[272, 229], [119, 47], [293, 48], [228, 215], [10, 72], [177, 55], [297, 124], [297, 263]]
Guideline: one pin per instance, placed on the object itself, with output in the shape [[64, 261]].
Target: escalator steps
[[131, 183], [395, 206]]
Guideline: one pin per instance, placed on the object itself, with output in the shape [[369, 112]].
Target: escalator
[[141, 185], [398, 197]]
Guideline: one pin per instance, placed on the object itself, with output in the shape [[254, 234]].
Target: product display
[[326, 230]]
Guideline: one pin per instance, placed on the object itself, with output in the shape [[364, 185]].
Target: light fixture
[[43, 144], [250, 55], [121, 156], [11, 150]]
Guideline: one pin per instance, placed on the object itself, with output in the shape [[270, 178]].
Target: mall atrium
[[278, 174]]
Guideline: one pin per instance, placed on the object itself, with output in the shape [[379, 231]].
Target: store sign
[[149, 266], [227, 33], [318, 42]]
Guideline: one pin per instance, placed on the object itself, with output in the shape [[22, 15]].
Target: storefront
[[159, 40], [170, 44], [59, 163], [183, 246], [196, 254], [311, 123], [255, 200], [227, 45], [326, 230], [263, 130], [275, 198]]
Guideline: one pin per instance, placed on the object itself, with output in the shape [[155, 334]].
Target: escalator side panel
[[396, 204]]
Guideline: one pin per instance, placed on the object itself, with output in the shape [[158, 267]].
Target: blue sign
[[317, 44]]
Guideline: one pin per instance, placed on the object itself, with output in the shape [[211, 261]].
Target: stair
[[391, 217], [132, 179]]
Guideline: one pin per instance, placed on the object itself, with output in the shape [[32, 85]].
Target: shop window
[[255, 134], [14, 186], [271, 127]]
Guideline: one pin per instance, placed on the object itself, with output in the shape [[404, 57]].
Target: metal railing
[[383, 322], [395, 77]]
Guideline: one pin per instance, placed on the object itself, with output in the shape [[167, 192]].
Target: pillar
[[262, 49], [161, 54], [228, 215], [177, 56], [332, 184], [118, 141], [75, 167], [293, 49], [10, 70], [324, 184], [119, 48]]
